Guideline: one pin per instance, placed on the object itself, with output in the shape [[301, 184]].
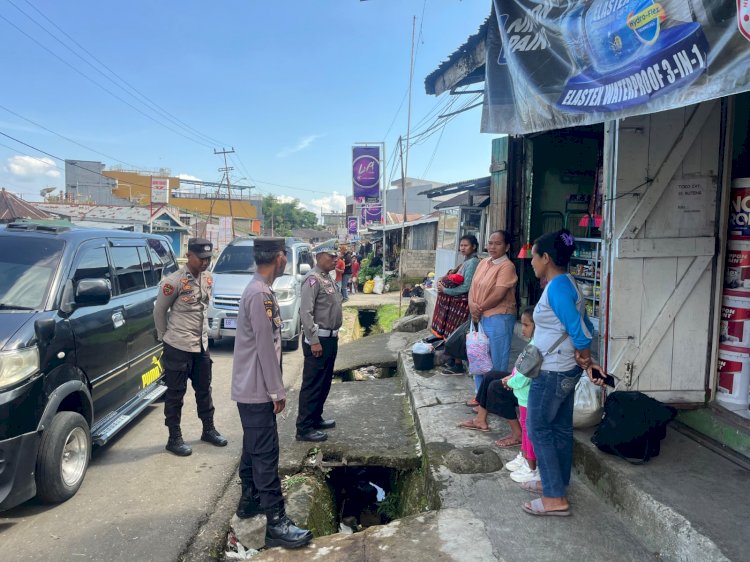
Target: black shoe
[[210, 435], [176, 445], [312, 435], [325, 424], [282, 531], [249, 505]]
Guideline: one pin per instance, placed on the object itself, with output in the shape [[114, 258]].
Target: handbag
[[529, 362], [478, 351], [455, 343]]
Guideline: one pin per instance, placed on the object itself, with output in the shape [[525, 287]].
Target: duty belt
[[327, 333]]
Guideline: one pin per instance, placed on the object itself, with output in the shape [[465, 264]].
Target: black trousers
[[179, 366], [495, 398], [259, 464], [317, 375]]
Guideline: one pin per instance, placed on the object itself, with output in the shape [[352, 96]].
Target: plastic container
[[423, 361], [737, 269], [734, 376], [735, 321], [739, 210]]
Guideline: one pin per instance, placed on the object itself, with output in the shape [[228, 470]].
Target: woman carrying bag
[[563, 337], [492, 301]]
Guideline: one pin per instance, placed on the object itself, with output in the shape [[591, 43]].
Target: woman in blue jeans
[[560, 312]]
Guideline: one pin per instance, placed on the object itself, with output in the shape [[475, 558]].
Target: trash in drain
[[369, 373], [364, 496]]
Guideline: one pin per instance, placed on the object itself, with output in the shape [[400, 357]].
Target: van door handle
[[118, 319]]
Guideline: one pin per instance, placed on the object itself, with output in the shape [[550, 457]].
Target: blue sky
[[290, 85]]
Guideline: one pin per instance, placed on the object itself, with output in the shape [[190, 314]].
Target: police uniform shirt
[[256, 370], [321, 305], [186, 299]]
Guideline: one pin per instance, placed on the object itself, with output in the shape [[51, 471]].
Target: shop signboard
[[578, 62], [160, 190], [352, 225], [371, 214], [366, 173]]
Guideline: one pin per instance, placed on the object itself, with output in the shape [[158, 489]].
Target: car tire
[[63, 458], [293, 344]]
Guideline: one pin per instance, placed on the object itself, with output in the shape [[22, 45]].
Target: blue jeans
[[550, 426], [345, 284], [499, 329]]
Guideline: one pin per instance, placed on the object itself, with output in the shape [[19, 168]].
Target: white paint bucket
[[737, 269], [734, 376], [735, 321], [739, 210]]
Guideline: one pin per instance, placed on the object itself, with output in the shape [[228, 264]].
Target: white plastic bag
[[421, 348], [478, 350], [587, 409], [379, 285]]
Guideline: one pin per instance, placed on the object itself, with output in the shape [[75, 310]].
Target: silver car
[[232, 272]]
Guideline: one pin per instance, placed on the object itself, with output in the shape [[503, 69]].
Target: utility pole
[[226, 169], [405, 167]]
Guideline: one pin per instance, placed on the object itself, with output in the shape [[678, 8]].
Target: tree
[[286, 217]]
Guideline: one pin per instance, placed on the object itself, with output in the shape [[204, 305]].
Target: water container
[[734, 377], [739, 210]]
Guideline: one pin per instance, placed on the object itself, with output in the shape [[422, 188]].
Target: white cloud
[[285, 198], [188, 177], [333, 202], [301, 145], [28, 167]]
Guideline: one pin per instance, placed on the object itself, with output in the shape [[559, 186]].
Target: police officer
[[321, 315], [181, 317], [258, 389]]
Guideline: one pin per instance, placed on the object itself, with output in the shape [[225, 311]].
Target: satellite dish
[[46, 191]]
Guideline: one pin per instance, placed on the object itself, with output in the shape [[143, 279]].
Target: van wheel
[[63, 457]]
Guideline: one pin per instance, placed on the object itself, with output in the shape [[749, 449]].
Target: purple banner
[[351, 225], [366, 171], [371, 214]]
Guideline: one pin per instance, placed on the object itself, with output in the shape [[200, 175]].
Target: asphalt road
[[139, 502]]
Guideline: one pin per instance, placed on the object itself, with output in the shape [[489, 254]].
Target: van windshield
[[27, 268], [241, 259]]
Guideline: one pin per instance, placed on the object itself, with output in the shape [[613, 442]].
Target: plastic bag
[[378, 286], [455, 343], [421, 347], [368, 286], [587, 409], [478, 350]]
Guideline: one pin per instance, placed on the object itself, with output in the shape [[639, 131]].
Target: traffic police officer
[[258, 389], [181, 317], [321, 315]]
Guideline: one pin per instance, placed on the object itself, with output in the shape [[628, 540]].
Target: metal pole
[[405, 166], [384, 203]]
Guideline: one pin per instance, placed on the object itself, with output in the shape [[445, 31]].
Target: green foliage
[[387, 315], [389, 507], [286, 216], [366, 272]]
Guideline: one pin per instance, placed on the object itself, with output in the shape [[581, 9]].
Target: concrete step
[[689, 503]]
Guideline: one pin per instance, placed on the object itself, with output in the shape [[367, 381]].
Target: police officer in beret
[[321, 315], [258, 389], [181, 317]]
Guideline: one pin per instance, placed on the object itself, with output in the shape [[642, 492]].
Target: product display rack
[[586, 267]]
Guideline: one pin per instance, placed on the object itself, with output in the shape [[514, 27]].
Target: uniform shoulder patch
[[167, 289], [312, 280]]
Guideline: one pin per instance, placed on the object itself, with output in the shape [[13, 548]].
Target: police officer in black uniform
[[181, 317], [321, 314]]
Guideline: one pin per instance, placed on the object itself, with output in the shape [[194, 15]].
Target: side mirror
[[93, 292], [304, 268], [44, 329]]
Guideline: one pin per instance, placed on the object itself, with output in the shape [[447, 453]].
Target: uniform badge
[[209, 280], [187, 298], [312, 281], [167, 289]]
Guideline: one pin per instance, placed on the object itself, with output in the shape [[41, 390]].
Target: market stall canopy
[[550, 66], [475, 185]]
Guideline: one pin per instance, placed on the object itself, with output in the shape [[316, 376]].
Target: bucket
[[737, 269], [739, 210], [423, 361], [735, 321], [734, 376]]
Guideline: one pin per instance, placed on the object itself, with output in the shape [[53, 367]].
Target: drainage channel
[[367, 324]]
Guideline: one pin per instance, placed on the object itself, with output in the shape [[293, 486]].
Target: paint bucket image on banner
[[737, 269], [734, 377], [739, 210]]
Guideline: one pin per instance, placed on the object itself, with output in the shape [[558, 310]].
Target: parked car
[[79, 358], [232, 272]]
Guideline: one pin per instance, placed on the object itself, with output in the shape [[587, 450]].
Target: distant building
[[417, 204], [333, 221]]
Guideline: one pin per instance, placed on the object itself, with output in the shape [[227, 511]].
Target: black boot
[[210, 435], [281, 531], [175, 444], [249, 505]]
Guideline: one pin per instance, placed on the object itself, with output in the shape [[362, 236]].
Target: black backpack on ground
[[633, 426]]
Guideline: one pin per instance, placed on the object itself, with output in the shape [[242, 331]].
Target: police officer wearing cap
[[181, 317], [321, 315], [258, 389]]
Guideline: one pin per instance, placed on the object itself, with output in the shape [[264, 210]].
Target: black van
[[79, 357]]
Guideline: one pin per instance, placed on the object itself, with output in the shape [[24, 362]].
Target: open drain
[[364, 496], [367, 320], [369, 373]]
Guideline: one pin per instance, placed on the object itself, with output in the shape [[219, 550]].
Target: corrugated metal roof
[[480, 199], [113, 214], [466, 185], [424, 220], [13, 207]]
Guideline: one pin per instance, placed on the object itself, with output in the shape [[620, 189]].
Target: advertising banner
[[159, 190], [366, 172], [352, 225], [371, 214], [577, 62]]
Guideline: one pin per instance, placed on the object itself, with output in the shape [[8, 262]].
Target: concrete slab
[[379, 349], [373, 426], [689, 502], [445, 535]]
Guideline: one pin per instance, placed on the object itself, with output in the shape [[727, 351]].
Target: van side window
[[128, 269], [305, 256], [92, 264], [162, 251], [149, 269]]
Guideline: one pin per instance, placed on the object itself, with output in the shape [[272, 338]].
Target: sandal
[[533, 486], [536, 507], [472, 424], [508, 441], [472, 403]]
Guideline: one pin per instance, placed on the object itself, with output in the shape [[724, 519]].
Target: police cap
[[268, 244], [201, 247], [326, 249]]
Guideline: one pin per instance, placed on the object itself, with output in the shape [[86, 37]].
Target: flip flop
[[506, 442], [536, 507], [533, 486], [471, 424], [472, 403]]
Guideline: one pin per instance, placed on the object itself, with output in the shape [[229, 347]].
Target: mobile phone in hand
[[596, 373]]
